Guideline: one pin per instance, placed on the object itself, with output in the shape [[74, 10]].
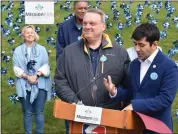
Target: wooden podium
[[112, 121]]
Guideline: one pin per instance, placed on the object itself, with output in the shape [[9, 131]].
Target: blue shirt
[[94, 57]]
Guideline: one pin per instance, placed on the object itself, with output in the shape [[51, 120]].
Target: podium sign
[[88, 114]]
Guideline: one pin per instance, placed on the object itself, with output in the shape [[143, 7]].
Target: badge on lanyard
[[103, 58]]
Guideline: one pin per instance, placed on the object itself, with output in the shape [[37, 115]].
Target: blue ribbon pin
[[154, 76]]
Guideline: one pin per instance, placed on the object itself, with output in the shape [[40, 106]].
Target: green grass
[[12, 121]]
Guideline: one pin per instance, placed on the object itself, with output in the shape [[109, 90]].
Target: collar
[[105, 43], [77, 26], [151, 57]]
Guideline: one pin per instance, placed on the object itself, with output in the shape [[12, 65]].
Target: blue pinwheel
[[128, 23], [175, 19], [14, 98], [113, 7], [6, 59], [172, 52], [6, 32], [21, 12], [116, 14], [166, 25], [160, 4], [98, 2], [18, 33], [120, 26], [2, 29], [118, 39], [106, 17], [175, 43], [37, 29], [120, 42], [47, 29], [149, 16], [117, 36], [11, 41], [154, 6], [8, 21], [10, 5], [153, 21], [146, 3], [22, 3], [50, 40], [163, 34], [12, 51], [122, 5], [109, 25], [168, 16], [137, 20], [19, 20], [3, 72], [10, 15], [16, 27], [3, 7], [11, 82], [167, 5]]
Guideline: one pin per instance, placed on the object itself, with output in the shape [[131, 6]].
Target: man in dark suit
[[153, 77]]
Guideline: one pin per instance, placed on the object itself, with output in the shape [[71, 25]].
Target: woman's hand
[[32, 79]]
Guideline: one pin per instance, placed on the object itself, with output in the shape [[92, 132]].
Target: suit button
[[138, 93]]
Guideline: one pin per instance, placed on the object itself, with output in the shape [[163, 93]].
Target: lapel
[[136, 73], [153, 67]]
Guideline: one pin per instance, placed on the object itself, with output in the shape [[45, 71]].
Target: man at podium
[[81, 67], [153, 77]]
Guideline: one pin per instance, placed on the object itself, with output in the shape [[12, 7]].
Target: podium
[[112, 121]]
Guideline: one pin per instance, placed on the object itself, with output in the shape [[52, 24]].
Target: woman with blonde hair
[[33, 85]]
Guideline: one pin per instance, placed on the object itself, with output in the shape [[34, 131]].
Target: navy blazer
[[156, 93]]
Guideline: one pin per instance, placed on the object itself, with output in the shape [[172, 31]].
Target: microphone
[[94, 80]]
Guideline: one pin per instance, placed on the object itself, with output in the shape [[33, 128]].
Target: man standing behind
[[153, 77], [71, 30], [82, 62]]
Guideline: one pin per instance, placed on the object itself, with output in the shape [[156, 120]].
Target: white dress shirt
[[143, 67], [146, 64]]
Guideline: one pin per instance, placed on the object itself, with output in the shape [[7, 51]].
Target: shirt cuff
[[113, 96], [18, 71], [45, 70]]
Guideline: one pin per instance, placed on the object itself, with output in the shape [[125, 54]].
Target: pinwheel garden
[[121, 20]]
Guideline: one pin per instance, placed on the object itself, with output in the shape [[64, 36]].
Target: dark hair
[[150, 31], [75, 2]]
